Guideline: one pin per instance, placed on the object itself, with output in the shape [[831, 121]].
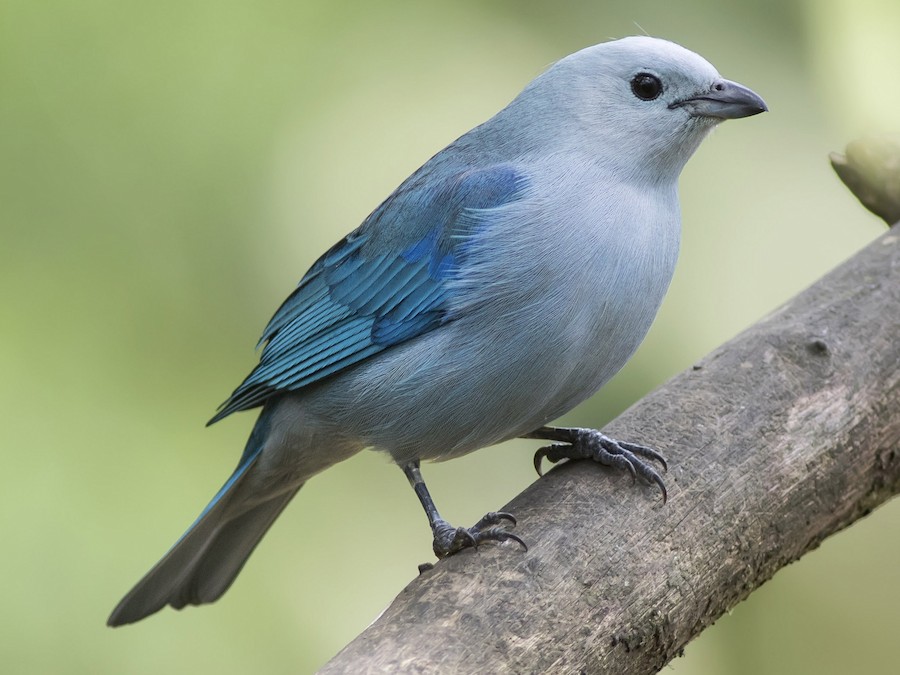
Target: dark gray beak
[[725, 100]]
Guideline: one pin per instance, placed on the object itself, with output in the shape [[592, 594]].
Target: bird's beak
[[725, 100]]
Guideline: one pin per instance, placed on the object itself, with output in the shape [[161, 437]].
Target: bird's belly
[[605, 342]]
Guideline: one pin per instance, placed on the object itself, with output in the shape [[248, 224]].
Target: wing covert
[[383, 284]]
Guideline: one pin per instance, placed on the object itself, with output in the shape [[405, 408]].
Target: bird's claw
[[552, 453], [449, 540], [592, 444]]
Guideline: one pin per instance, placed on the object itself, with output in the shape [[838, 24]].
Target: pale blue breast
[[555, 296]]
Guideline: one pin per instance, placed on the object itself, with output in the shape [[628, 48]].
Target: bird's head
[[639, 102]]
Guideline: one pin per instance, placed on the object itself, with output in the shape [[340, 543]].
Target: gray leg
[[448, 539]]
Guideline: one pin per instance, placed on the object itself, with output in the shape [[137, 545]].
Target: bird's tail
[[201, 566]]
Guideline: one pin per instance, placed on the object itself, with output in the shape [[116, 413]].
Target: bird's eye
[[646, 86]]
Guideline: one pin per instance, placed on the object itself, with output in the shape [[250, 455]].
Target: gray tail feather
[[205, 562]]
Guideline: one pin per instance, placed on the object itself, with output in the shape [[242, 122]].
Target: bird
[[501, 284]]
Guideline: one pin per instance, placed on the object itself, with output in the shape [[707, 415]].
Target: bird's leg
[[578, 443], [448, 539]]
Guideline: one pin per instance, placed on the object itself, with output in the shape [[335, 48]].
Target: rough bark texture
[[776, 440]]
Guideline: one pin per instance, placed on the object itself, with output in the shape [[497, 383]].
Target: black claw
[[464, 539], [647, 472], [497, 534], [644, 451], [632, 472], [618, 461], [518, 540], [538, 458], [449, 540], [591, 444], [662, 486], [503, 535], [552, 453]]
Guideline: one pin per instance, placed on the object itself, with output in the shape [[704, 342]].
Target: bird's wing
[[383, 284]]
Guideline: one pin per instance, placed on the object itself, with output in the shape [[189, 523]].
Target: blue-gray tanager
[[500, 285]]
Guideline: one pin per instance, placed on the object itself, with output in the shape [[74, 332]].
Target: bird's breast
[[552, 300], [584, 274]]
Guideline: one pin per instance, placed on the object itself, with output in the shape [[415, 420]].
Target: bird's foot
[[492, 527], [591, 444]]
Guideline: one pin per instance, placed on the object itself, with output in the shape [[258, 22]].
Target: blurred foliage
[[168, 171], [871, 171]]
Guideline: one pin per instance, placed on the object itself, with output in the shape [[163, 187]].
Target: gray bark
[[776, 440]]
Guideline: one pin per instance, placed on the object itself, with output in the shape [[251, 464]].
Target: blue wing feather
[[383, 284]]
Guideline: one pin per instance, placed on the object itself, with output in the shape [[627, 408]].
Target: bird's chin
[[703, 122]]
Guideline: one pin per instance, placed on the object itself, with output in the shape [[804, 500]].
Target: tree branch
[[776, 440]]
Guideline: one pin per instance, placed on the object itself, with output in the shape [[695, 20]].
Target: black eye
[[646, 86]]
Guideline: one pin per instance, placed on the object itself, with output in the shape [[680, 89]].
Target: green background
[[168, 171]]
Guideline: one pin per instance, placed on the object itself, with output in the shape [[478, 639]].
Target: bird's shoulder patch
[[381, 285]]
